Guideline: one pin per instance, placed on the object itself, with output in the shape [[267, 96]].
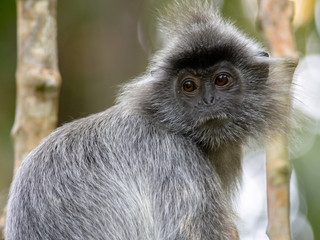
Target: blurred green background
[[104, 43]]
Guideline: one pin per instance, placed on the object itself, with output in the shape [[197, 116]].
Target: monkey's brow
[[201, 58]]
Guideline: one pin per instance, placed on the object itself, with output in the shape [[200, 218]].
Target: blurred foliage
[[308, 174], [304, 12], [7, 92], [104, 43]]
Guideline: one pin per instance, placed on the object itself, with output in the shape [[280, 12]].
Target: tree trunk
[[37, 77], [275, 21]]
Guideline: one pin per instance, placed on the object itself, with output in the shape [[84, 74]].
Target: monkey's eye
[[189, 86], [222, 79]]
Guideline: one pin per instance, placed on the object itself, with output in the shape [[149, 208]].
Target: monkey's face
[[212, 93], [220, 98]]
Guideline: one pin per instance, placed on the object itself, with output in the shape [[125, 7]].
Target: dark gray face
[[214, 98], [211, 92]]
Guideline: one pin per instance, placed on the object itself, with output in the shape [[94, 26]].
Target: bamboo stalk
[[275, 17], [37, 77]]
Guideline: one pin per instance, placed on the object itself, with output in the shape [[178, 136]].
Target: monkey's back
[[114, 175]]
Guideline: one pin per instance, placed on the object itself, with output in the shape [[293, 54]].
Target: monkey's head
[[212, 83]]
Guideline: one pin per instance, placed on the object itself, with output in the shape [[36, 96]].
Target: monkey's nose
[[208, 100]]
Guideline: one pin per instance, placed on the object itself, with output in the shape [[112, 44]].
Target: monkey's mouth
[[216, 120]]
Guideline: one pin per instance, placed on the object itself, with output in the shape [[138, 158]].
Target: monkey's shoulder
[[113, 134]]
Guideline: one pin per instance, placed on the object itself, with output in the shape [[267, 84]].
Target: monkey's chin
[[213, 122]]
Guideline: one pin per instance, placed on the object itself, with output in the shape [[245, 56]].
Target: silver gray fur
[[149, 168]]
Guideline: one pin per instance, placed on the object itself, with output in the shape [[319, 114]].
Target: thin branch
[[275, 18], [37, 77]]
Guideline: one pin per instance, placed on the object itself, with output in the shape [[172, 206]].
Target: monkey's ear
[[263, 54], [261, 67]]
